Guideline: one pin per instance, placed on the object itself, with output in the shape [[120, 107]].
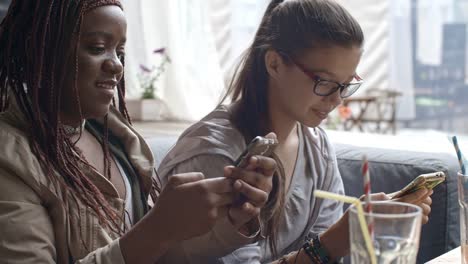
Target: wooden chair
[[373, 112]]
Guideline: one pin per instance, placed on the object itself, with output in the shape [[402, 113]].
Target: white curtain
[[387, 59], [245, 19], [193, 81], [147, 30], [373, 16], [221, 15], [400, 59], [204, 39], [432, 14]]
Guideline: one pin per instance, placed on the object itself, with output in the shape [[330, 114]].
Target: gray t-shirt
[[213, 143]]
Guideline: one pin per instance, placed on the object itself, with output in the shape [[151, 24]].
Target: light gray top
[[213, 143]]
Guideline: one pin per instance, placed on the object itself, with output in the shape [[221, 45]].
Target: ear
[[273, 63]]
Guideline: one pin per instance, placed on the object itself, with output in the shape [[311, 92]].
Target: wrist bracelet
[[317, 254]]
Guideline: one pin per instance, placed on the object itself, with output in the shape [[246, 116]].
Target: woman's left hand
[[421, 198], [376, 197]]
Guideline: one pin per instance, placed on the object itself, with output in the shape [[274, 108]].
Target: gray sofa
[[393, 169], [390, 171]]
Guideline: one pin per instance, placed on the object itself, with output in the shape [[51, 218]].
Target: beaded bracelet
[[315, 251]]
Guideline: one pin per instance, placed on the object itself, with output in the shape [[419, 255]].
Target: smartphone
[[258, 146], [428, 181]]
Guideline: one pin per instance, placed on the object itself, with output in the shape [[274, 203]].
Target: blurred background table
[[375, 111]]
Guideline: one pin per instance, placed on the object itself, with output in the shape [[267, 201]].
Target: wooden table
[[453, 256]]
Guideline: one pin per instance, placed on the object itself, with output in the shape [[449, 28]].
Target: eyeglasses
[[325, 87]]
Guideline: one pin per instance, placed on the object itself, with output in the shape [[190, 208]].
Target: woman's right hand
[[190, 205]]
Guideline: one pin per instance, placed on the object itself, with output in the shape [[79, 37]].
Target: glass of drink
[[396, 231], [463, 201]]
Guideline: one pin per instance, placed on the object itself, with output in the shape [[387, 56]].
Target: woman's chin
[[98, 113], [312, 122]]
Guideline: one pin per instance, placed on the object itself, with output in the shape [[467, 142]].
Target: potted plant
[[149, 106]]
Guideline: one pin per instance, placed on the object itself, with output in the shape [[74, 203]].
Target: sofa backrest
[[390, 171]]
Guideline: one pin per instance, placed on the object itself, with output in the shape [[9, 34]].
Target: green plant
[[149, 76]]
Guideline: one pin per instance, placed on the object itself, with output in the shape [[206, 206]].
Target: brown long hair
[[289, 27], [35, 47]]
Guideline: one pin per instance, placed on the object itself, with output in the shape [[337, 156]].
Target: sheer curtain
[[387, 59], [432, 14], [204, 39], [192, 83], [400, 57], [373, 18]]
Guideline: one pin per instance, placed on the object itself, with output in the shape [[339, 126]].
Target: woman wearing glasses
[[300, 66]]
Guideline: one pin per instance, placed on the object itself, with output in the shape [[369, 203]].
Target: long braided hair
[[36, 44]]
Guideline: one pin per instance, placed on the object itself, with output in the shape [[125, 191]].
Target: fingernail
[[253, 160], [237, 185], [228, 170]]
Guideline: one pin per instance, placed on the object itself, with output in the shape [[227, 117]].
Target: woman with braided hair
[[77, 183]]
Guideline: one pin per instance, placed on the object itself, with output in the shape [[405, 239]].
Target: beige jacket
[[34, 227]]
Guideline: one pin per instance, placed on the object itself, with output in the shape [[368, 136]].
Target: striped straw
[[459, 155], [367, 192]]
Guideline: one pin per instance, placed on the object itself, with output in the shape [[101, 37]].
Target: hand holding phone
[[255, 183], [428, 181], [258, 146]]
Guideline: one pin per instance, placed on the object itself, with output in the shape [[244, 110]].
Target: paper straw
[[338, 197], [362, 220], [459, 155], [367, 192], [367, 186]]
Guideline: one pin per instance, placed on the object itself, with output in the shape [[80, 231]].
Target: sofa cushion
[[391, 170], [160, 146]]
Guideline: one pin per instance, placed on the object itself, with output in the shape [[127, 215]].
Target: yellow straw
[[362, 221]]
